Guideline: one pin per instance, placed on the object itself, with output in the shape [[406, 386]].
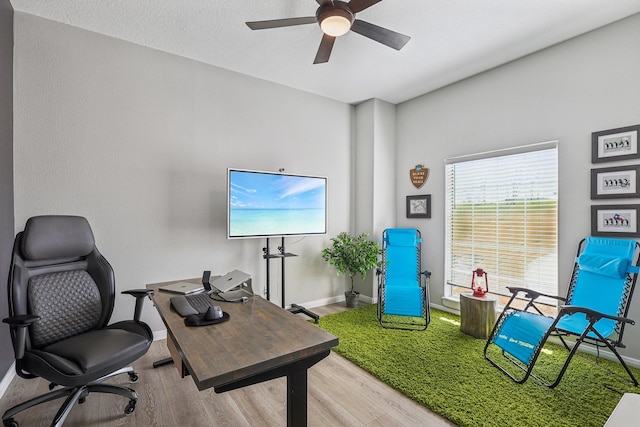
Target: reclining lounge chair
[[593, 312], [403, 297]]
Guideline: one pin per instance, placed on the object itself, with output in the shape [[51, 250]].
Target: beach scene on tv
[[270, 204]]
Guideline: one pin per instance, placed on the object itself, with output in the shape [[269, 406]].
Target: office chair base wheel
[[130, 407], [10, 423], [133, 377]]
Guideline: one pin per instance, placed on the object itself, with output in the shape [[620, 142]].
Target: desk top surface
[[259, 337]]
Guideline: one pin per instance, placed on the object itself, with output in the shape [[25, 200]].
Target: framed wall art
[[419, 206], [615, 183], [615, 220], [615, 144]]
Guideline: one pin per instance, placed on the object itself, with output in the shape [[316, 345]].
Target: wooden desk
[[260, 342]]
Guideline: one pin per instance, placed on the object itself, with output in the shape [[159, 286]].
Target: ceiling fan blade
[[359, 5], [277, 23], [323, 2], [379, 34], [324, 51]]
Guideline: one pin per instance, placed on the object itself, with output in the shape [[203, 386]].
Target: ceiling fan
[[336, 18]]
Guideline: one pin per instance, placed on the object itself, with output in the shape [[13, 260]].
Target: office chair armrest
[[139, 294], [592, 315], [21, 320], [530, 293], [18, 326]]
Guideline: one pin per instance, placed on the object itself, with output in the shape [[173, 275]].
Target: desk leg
[[297, 398], [296, 373]]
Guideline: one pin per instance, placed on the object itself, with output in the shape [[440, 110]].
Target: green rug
[[445, 370]]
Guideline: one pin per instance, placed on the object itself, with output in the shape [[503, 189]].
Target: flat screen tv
[[272, 204]]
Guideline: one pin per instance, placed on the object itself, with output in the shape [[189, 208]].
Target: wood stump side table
[[477, 314]]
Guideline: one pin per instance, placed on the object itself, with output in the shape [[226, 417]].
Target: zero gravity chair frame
[[403, 289], [594, 311]]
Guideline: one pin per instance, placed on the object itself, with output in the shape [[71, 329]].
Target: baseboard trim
[[6, 380], [452, 303], [445, 308], [321, 302], [160, 335], [339, 298]]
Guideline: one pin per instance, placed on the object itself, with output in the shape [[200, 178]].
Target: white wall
[[384, 169], [139, 141], [374, 172], [563, 93], [6, 172]]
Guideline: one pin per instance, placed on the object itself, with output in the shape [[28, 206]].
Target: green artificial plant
[[352, 255]]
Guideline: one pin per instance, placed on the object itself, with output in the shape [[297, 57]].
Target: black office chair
[[61, 296]]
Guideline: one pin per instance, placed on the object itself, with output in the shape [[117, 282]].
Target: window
[[501, 216]]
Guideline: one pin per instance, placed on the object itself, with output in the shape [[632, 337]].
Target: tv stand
[[282, 254]]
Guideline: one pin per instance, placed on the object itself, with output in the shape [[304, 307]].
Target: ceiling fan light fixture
[[336, 18], [335, 25], [335, 21]]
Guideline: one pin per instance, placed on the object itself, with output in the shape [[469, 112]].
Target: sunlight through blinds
[[501, 216]]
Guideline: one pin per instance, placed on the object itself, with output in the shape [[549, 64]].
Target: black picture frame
[[615, 144], [419, 206], [621, 182], [615, 220]]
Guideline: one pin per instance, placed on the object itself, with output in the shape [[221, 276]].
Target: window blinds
[[501, 216]]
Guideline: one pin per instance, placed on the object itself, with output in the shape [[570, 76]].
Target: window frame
[[451, 289]]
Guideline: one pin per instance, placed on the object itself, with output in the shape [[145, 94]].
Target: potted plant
[[352, 255]]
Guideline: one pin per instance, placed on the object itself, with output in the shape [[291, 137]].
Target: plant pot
[[351, 298]]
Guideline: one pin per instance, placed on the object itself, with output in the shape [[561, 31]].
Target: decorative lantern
[[479, 283]]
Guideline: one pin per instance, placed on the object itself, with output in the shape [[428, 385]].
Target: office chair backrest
[[58, 274]]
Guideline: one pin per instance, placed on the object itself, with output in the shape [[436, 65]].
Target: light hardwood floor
[[339, 394]]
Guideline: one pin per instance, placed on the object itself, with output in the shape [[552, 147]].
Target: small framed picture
[[615, 144], [615, 183], [419, 206], [615, 220]]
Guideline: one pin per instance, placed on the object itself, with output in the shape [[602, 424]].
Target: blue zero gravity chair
[[594, 311], [403, 297]]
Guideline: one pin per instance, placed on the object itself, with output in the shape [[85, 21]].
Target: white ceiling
[[450, 39]]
